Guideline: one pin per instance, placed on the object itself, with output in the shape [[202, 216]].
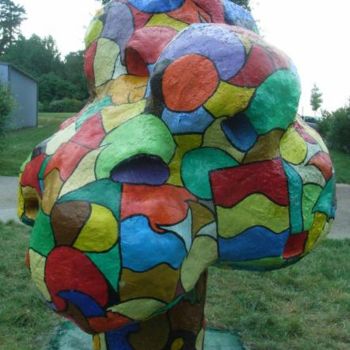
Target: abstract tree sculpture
[[189, 153]]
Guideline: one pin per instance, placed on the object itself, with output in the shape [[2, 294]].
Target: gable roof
[[18, 70]]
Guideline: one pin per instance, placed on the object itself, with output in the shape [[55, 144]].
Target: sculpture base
[[70, 337]]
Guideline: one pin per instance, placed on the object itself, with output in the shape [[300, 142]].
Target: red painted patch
[[66, 159], [295, 245], [91, 133], [90, 54], [258, 67], [112, 322], [68, 269], [68, 122], [163, 205], [230, 186], [213, 8], [323, 162], [188, 13], [140, 18], [31, 171], [145, 47]]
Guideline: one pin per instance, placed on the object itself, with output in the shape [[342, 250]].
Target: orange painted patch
[[189, 82], [323, 162], [163, 205], [111, 322]]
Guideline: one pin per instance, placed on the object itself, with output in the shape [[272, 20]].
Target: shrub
[[65, 105], [6, 105], [338, 135]]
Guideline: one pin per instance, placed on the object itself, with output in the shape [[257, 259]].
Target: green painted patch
[[197, 165], [275, 102], [310, 196], [42, 239], [145, 134], [325, 202], [103, 192], [109, 264]]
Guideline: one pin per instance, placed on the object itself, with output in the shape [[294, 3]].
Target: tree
[[11, 17], [316, 98], [6, 105]]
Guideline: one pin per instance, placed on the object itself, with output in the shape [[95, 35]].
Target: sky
[[314, 33]]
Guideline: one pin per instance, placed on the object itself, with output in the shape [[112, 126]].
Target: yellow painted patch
[[201, 216], [59, 139], [100, 232], [200, 340], [37, 269], [166, 21], [31, 202], [127, 89], [138, 309], [177, 344], [215, 137], [266, 147], [99, 342], [203, 253], [313, 133], [228, 100], [292, 147], [112, 117], [20, 200], [53, 185], [318, 226], [255, 210], [106, 56], [159, 283], [93, 32], [83, 174], [184, 143]]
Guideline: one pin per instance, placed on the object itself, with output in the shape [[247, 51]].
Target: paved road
[[340, 230]]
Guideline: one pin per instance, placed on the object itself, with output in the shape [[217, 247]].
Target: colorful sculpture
[[189, 153]]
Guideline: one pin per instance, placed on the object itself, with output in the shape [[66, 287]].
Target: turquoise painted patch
[[325, 202], [295, 189]]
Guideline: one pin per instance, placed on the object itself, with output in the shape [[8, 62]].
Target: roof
[[19, 70]]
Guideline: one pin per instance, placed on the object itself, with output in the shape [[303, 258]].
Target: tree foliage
[[316, 98], [11, 17], [6, 105]]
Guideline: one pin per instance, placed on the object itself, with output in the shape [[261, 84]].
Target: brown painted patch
[[159, 283], [201, 216], [68, 219], [53, 185], [74, 314]]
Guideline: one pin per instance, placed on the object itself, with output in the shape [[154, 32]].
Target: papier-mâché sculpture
[[189, 153]]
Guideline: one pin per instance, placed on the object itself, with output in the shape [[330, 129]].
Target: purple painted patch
[[119, 25], [143, 169], [218, 43]]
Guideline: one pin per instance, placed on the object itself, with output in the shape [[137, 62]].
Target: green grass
[[25, 322], [19, 143], [341, 163], [306, 306]]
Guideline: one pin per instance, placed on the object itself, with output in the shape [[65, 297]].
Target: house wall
[[25, 92], [4, 72]]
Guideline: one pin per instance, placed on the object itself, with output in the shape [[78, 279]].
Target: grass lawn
[[306, 306], [341, 163], [19, 143]]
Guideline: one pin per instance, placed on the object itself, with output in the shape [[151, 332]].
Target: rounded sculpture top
[[189, 153]]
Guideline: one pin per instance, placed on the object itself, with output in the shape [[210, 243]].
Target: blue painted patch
[[119, 339], [87, 305], [217, 43], [238, 16], [142, 248], [240, 132], [183, 123], [295, 189], [254, 243], [156, 6]]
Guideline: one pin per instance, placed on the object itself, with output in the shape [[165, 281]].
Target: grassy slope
[[295, 308], [19, 143]]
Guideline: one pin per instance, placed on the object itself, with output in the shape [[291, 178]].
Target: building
[[24, 89]]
